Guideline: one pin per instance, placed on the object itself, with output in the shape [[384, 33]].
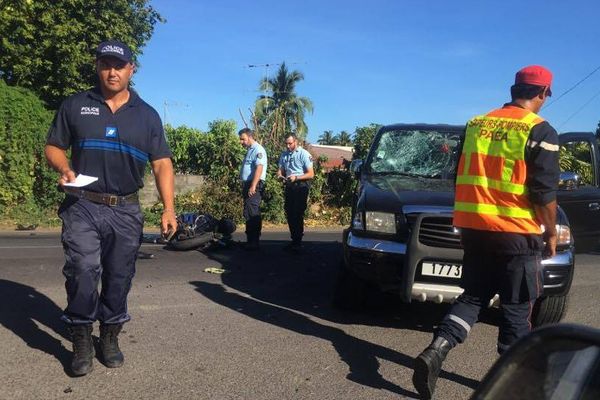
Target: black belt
[[297, 183], [103, 198]]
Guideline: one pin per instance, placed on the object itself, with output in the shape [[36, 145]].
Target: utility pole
[[266, 67]]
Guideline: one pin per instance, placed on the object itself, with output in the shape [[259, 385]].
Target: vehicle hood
[[390, 193]]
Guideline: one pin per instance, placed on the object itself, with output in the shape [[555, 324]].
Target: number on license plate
[[441, 269]]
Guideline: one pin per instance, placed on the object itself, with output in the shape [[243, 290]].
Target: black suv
[[401, 237]]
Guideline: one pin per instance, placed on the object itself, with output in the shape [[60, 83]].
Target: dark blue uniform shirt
[[113, 147]]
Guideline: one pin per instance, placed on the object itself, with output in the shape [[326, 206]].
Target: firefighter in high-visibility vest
[[506, 186]]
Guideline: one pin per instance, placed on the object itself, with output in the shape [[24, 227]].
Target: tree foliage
[[326, 138], [26, 181], [343, 139], [216, 154], [363, 137], [48, 45], [184, 143], [281, 110], [577, 157]]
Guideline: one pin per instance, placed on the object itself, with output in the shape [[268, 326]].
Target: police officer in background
[[296, 170], [252, 175], [506, 187], [112, 134]]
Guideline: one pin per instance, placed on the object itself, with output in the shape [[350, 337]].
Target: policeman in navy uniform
[[112, 134], [252, 175], [296, 171]]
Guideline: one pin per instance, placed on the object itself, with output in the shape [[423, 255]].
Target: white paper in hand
[[82, 180]]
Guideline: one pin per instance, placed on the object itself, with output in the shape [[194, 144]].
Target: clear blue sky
[[383, 61]]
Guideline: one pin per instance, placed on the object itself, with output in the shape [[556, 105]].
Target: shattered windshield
[[429, 154]]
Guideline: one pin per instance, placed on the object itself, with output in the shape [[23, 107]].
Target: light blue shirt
[[296, 162], [256, 155]]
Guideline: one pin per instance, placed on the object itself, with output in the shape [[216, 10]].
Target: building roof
[[335, 154]]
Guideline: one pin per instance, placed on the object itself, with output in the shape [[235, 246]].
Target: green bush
[[272, 206], [26, 181], [211, 199], [184, 142]]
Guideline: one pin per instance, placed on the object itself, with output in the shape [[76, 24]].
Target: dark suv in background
[[401, 237]]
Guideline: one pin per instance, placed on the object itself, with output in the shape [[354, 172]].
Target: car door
[[579, 154]]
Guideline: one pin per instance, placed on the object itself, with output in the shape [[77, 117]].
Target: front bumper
[[379, 262], [394, 266]]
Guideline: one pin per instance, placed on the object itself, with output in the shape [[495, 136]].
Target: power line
[[572, 87], [579, 109]]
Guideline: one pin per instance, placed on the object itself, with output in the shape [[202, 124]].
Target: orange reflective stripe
[[487, 195], [519, 173], [511, 112], [496, 223], [486, 165]]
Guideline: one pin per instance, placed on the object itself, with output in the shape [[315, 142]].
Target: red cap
[[534, 75]]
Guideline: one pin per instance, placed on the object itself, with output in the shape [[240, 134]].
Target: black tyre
[[350, 291], [549, 310], [191, 243]]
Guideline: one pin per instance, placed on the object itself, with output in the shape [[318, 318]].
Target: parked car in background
[[401, 237], [579, 194]]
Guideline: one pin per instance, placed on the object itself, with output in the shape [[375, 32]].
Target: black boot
[[428, 365], [109, 345], [83, 349]]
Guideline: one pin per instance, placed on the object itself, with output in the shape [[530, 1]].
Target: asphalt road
[[265, 329]]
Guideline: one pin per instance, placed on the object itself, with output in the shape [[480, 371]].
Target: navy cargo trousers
[[252, 211], [518, 279], [295, 202], [100, 243]]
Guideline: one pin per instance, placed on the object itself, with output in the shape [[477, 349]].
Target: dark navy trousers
[[252, 210], [518, 281], [100, 244], [296, 198]]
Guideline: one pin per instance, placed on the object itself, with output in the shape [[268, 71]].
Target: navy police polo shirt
[[113, 147]]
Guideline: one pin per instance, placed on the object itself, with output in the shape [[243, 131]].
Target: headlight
[[380, 222], [563, 235], [357, 221]]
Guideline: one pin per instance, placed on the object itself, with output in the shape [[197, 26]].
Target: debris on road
[[214, 270]]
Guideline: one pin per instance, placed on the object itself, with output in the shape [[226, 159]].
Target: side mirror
[[553, 362], [569, 180], [356, 167]]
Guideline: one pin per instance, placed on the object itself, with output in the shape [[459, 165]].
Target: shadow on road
[[283, 287], [21, 307]]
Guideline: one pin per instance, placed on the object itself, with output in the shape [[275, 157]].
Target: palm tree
[[326, 138], [281, 110], [343, 139]]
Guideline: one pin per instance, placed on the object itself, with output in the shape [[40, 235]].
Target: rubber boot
[[428, 365], [83, 349], [109, 345]]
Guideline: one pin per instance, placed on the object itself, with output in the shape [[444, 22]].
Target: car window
[[577, 157], [430, 154]]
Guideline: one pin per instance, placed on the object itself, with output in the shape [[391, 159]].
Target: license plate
[[441, 269]]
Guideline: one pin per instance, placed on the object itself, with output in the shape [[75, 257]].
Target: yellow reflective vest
[[490, 185]]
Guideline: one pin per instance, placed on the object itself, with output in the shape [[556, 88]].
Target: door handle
[[594, 206]]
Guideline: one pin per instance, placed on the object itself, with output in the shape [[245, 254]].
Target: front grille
[[411, 219], [438, 232]]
